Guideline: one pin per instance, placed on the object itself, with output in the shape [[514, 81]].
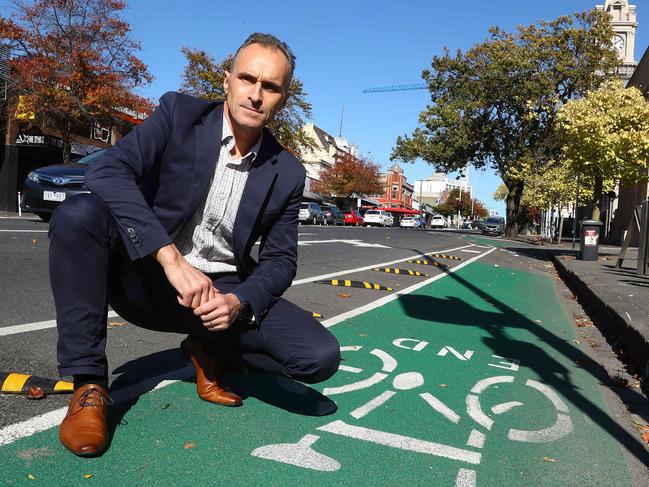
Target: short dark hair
[[267, 40]]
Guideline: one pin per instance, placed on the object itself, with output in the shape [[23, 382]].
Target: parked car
[[379, 218], [478, 224], [311, 213], [412, 222], [46, 187], [494, 224], [352, 217], [438, 221], [333, 216]]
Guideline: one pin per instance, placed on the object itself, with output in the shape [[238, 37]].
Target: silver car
[[311, 213], [494, 224]]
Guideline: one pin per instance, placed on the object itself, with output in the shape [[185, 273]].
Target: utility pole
[[342, 114]]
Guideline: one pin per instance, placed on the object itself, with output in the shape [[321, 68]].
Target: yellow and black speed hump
[[428, 262], [442, 256], [14, 383], [406, 272], [358, 284]]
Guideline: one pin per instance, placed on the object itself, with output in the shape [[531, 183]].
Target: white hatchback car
[[378, 218], [438, 221]]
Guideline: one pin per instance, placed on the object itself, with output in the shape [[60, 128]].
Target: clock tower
[[623, 20]]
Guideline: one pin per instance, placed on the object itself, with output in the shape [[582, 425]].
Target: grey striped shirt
[[206, 240]]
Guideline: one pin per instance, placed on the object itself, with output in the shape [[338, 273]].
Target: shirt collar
[[227, 139]]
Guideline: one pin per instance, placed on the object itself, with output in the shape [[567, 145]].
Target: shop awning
[[404, 211]]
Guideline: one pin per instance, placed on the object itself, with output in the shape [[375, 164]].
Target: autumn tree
[[351, 176], [203, 77], [449, 206], [605, 139], [495, 105], [74, 62]]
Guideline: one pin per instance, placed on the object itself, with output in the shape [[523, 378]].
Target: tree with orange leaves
[[74, 63], [351, 176]]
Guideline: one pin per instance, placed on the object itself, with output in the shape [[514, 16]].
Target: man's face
[[257, 87]]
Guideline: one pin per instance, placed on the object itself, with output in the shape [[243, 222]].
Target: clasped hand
[[195, 290]]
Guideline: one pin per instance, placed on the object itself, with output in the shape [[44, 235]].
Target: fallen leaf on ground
[[549, 459], [87, 476], [583, 323], [538, 322], [188, 445], [442, 385], [645, 437], [35, 393], [115, 324], [364, 335], [31, 476], [575, 341], [344, 295], [165, 406], [619, 381], [34, 241]]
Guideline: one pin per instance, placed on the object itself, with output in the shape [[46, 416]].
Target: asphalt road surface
[[469, 374]]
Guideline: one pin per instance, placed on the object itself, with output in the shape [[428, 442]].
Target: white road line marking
[[24, 231], [380, 302], [471, 251], [39, 325], [14, 432], [465, 478], [505, 407], [366, 268], [440, 407], [370, 406], [401, 442], [476, 439], [348, 368], [356, 386]]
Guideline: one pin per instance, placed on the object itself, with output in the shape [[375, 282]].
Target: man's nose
[[255, 95]]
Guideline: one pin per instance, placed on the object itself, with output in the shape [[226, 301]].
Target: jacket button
[[131, 232]]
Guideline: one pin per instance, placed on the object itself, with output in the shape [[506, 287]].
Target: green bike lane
[[470, 380]]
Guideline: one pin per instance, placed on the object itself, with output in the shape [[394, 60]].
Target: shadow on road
[[498, 323]]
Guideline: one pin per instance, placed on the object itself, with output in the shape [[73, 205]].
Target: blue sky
[[343, 47]]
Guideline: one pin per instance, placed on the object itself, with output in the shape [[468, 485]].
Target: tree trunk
[[67, 147], [597, 198], [513, 207]]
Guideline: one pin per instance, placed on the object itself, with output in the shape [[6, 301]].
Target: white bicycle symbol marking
[[302, 454]]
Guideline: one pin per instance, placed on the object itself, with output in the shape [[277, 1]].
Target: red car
[[352, 217]]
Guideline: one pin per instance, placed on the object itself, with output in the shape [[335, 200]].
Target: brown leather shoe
[[83, 430], [208, 376]]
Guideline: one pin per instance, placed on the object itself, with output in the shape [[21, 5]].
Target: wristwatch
[[245, 312]]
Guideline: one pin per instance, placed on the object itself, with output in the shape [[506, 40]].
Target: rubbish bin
[[589, 247]]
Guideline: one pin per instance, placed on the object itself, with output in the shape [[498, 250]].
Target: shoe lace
[[86, 400]]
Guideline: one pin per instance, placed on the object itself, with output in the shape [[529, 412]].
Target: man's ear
[[285, 101], [226, 81]]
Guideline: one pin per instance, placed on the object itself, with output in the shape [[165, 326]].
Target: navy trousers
[[90, 270]]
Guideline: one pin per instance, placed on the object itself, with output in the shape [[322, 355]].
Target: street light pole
[[459, 209]]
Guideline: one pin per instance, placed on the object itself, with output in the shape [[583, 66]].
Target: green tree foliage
[[203, 77], [495, 105], [605, 138]]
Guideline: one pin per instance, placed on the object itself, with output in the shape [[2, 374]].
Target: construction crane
[[412, 86]]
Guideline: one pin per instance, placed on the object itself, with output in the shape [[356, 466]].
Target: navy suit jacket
[[154, 179]]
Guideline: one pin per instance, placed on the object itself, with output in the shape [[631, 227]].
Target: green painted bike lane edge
[[470, 326]]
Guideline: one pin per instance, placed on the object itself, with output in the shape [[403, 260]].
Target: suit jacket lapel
[[261, 178], [208, 145]]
